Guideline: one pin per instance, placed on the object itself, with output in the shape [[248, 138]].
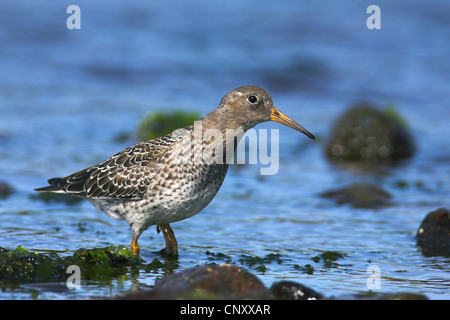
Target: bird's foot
[[134, 247]]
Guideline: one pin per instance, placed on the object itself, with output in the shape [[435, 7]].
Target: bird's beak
[[280, 117]]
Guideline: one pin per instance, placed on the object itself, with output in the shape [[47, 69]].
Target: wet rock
[[157, 124], [112, 256], [221, 281], [290, 290], [23, 266], [433, 235], [5, 189], [213, 281], [368, 136], [360, 195]]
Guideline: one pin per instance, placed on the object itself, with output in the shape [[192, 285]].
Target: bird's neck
[[220, 132]]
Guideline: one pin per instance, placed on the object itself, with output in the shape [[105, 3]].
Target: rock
[[23, 266], [369, 136], [360, 195], [290, 290], [215, 281], [5, 189], [433, 235]]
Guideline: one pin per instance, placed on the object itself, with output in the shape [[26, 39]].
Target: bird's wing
[[127, 174]]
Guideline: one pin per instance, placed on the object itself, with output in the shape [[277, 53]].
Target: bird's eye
[[252, 99]]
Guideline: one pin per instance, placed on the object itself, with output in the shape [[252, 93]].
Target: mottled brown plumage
[[173, 177]]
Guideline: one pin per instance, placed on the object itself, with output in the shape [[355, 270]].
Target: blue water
[[66, 94]]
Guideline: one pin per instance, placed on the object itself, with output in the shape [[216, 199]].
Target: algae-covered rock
[[112, 256], [23, 266], [366, 135], [360, 195], [433, 235], [160, 123]]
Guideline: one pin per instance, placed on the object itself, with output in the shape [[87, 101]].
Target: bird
[[175, 176]]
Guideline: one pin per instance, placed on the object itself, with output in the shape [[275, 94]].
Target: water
[[65, 94]]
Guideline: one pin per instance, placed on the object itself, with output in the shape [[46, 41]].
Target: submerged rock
[[369, 136], [360, 195], [433, 235]]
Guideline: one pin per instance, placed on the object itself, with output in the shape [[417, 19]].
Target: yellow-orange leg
[[134, 247], [169, 238]]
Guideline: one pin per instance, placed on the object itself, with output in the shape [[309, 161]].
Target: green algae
[[21, 265], [307, 268], [259, 263], [160, 123], [256, 262], [328, 258], [218, 256]]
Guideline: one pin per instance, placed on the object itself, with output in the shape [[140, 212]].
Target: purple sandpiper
[[171, 178]]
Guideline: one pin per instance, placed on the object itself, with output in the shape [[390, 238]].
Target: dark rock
[[368, 136], [433, 235], [5, 189], [289, 290], [207, 282], [360, 195]]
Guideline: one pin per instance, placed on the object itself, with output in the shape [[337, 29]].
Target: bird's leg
[[169, 238], [134, 247], [173, 240]]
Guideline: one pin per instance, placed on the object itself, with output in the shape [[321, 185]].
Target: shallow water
[[66, 94]]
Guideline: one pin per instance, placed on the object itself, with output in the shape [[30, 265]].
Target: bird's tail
[[57, 185]]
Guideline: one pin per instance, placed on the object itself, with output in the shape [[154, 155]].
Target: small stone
[[360, 195], [289, 290], [433, 235]]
